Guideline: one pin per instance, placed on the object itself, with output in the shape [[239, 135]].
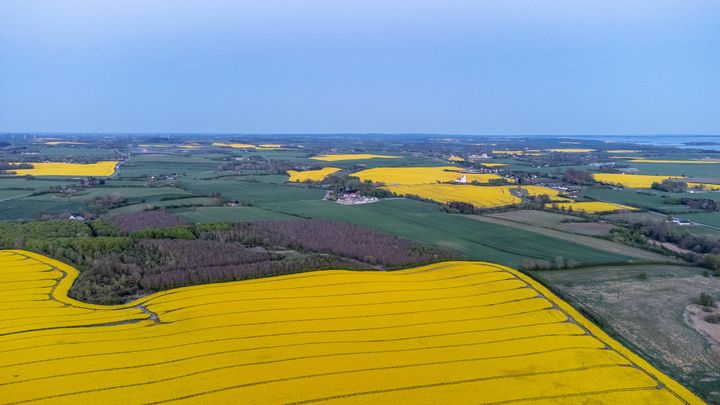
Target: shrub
[[706, 300], [714, 318]]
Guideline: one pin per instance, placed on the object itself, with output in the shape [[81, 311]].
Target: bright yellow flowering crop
[[571, 150], [494, 164], [592, 206], [508, 152], [645, 181], [351, 156], [99, 169], [704, 186], [630, 180], [453, 332], [234, 145], [421, 175], [311, 175], [456, 159], [479, 196]]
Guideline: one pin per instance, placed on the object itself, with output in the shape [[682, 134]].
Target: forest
[[119, 260]]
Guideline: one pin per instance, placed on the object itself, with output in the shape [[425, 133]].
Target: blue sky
[[475, 67]]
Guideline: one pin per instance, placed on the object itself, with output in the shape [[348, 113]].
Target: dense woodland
[[144, 220], [118, 265]]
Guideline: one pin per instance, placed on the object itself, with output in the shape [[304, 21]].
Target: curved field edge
[[58, 292]]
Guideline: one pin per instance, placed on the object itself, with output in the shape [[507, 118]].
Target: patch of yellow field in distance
[[234, 145], [694, 162], [99, 169], [311, 175], [351, 156], [631, 180], [479, 196], [571, 150], [494, 164], [456, 159], [704, 186], [453, 332], [270, 145], [623, 151], [508, 152], [421, 175], [65, 143], [591, 206]]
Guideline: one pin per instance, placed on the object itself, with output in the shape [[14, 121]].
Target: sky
[[383, 66]]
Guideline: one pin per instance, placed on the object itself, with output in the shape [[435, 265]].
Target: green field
[[253, 192], [21, 208], [176, 202], [153, 165], [137, 193], [575, 237], [427, 223], [677, 169], [706, 218], [649, 199], [643, 306]]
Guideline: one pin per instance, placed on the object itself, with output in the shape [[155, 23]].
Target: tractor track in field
[[151, 316]]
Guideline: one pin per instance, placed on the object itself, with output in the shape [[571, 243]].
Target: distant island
[[701, 143]]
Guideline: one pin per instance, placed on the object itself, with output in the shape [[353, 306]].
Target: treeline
[[343, 183], [704, 250], [117, 266], [188, 262], [256, 163], [336, 238], [705, 204], [127, 223], [8, 168]]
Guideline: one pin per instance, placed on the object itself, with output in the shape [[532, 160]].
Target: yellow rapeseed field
[[456, 159], [99, 169], [645, 181], [494, 164], [421, 175], [351, 156], [571, 150], [592, 206], [454, 332], [311, 175], [704, 186], [630, 180], [234, 145], [479, 196], [508, 152]]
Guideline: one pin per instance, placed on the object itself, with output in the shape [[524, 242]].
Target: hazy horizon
[[279, 67]]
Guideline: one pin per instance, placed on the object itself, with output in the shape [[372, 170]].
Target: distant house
[[462, 179], [681, 222]]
